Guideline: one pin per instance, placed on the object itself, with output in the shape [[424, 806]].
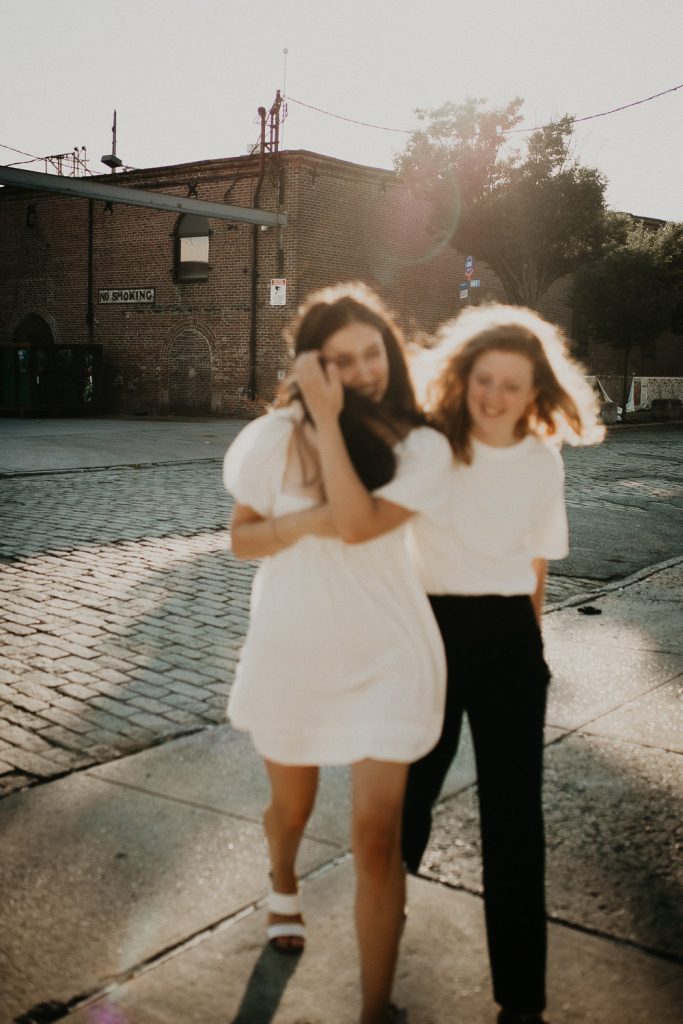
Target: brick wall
[[188, 353]]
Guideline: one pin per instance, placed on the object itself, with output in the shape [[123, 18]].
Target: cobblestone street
[[123, 611]]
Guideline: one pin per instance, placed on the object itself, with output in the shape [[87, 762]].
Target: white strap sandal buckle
[[286, 904], [281, 931]]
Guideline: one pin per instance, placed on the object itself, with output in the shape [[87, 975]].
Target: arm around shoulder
[[253, 536], [420, 485]]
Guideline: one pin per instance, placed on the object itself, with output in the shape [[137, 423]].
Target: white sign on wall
[[111, 296], [278, 291]]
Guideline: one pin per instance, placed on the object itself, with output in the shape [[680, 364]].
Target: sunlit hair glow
[[565, 406], [370, 429]]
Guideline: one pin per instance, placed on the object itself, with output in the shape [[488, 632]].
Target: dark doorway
[[33, 330]]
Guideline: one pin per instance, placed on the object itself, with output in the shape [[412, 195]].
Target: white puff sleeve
[[421, 481], [254, 463], [550, 533]]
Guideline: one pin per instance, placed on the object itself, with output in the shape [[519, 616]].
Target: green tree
[[633, 293], [667, 243], [533, 215]]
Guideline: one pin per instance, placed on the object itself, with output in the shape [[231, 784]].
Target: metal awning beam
[[85, 188]]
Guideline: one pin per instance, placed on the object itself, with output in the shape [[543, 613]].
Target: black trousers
[[498, 677]]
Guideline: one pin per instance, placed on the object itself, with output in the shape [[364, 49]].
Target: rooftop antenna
[[284, 98], [112, 160]]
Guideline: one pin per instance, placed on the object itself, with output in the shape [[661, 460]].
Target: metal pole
[[90, 314], [89, 189], [251, 390]]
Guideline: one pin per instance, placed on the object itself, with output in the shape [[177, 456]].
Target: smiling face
[[360, 355], [500, 390]]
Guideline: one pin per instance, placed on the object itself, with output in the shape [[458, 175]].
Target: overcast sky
[[187, 78]]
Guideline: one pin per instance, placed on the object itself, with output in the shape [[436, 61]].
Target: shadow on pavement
[[611, 810], [114, 667], [265, 988]]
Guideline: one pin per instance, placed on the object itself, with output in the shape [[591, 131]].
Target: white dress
[[343, 659]]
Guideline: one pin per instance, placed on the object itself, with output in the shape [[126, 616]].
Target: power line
[[351, 120], [40, 159], [23, 153], [409, 131], [508, 131], [21, 163], [604, 113]]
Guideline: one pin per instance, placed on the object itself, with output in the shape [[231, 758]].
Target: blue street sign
[[476, 283], [464, 284]]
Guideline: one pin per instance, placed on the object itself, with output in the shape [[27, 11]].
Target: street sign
[[469, 266], [463, 293], [278, 291], [476, 283]]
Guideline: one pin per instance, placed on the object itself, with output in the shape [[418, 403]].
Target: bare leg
[[378, 788], [293, 790]]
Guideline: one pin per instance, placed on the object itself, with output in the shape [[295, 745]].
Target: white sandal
[[287, 904]]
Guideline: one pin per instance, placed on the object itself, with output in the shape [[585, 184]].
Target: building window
[[192, 248]]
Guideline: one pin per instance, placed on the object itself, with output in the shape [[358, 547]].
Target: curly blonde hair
[[565, 406]]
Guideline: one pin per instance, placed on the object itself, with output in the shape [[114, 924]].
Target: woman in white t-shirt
[[343, 662], [504, 392]]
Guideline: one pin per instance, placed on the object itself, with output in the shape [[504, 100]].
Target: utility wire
[[409, 131], [508, 131], [23, 153], [35, 159], [39, 159], [351, 120], [605, 113]]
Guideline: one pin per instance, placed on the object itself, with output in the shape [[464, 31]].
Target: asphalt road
[[625, 506]]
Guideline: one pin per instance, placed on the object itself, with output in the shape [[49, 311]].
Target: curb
[[609, 588]]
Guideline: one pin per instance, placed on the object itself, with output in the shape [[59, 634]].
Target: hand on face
[[321, 387]]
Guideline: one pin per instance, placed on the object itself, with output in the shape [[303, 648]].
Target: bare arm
[[358, 516], [253, 536], [541, 569]]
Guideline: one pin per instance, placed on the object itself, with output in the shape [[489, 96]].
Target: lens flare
[[106, 1013], [404, 225]]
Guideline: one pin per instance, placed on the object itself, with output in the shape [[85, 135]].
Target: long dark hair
[[369, 428]]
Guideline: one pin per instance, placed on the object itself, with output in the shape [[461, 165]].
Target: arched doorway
[[39, 375], [23, 362], [189, 375], [33, 331]]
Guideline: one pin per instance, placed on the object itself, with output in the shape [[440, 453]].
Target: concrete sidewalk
[[36, 446], [132, 892]]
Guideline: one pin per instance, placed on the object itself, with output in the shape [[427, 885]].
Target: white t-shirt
[[505, 509]]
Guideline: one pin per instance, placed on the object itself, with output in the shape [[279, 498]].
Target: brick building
[[180, 308]]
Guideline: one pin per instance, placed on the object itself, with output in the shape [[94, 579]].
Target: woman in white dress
[[343, 663]]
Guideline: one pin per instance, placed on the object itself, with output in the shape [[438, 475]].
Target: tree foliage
[[667, 243], [633, 293], [532, 215]]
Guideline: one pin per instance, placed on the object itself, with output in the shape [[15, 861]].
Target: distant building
[[167, 302]]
